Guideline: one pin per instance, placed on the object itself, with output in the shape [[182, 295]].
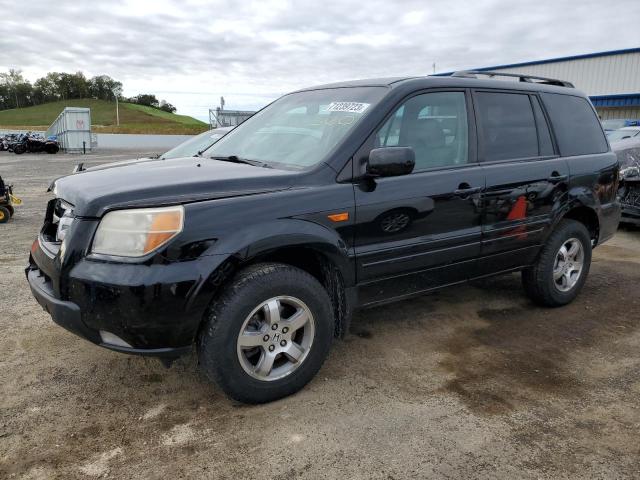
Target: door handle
[[556, 178], [464, 190]]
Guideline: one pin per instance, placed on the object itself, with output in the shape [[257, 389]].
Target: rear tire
[[5, 215], [19, 149], [247, 325], [562, 266]]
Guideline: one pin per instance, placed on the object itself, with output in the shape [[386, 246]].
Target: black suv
[[332, 198]]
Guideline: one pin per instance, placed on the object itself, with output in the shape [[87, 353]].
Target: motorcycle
[[34, 144], [6, 141]]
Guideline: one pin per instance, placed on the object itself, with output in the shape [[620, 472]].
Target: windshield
[[299, 130], [195, 144], [613, 124], [621, 134]]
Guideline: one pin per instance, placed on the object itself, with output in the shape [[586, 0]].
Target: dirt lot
[[473, 382]]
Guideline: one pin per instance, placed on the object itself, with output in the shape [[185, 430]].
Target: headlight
[[134, 233]]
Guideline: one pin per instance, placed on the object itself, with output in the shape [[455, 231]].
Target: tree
[[104, 87], [45, 89], [145, 99], [167, 107], [17, 89]]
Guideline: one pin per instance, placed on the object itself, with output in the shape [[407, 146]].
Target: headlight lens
[[63, 225], [137, 232]]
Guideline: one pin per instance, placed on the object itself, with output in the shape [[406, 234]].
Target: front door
[[526, 180], [423, 230]]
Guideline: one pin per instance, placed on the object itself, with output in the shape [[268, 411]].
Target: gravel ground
[[471, 382]]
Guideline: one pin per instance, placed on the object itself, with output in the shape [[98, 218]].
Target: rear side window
[[507, 126], [575, 124]]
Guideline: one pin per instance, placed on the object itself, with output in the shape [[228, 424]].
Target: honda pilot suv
[[330, 199]]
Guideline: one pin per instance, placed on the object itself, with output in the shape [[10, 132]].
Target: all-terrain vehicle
[[7, 201], [330, 199]]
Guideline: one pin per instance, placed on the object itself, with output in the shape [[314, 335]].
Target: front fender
[[224, 257], [261, 238]]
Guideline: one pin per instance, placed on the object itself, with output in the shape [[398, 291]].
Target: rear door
[[526, 178], [422, 230]]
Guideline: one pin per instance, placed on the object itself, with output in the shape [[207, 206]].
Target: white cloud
[[192, 52]]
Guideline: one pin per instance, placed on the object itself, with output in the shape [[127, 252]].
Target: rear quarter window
[[576, 126]]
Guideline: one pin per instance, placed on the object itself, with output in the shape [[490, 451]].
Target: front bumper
[[155, 308], [630, 214], [68, 315]]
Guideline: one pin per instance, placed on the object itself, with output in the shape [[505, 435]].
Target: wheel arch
[[587, 216], [313, 248]]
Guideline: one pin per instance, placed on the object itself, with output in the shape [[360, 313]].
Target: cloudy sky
[[192, 52]]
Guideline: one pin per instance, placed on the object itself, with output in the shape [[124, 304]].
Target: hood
[[627, 151], [158, 182]]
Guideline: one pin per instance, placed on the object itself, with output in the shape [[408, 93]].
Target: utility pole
[[115, 94]]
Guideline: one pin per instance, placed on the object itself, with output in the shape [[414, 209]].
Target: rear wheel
[[19, 149], [562, 267], [267, 334], [5, 215]]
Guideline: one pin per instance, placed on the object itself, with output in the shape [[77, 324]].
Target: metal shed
[[611, 79], [73, 129]]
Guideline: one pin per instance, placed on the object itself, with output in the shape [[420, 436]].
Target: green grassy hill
[[133, 118]]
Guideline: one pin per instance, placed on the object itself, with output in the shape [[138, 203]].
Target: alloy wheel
[[568, 265], [275, 338]]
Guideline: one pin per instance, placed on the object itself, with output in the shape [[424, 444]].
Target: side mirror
[[391, 161]]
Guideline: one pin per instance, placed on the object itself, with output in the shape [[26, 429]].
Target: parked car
[[258, 251], [623, 133], [198, 144], [190, 148], [628, 152], [618, 123]]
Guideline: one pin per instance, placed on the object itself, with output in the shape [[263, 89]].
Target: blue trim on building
[[552, 60], [623, 100]]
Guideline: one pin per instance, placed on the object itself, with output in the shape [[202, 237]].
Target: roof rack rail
[[522, 77]]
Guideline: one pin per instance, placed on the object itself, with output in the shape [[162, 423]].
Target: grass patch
[[133, 118]]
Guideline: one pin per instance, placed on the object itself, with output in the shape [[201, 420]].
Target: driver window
[[434, 125]]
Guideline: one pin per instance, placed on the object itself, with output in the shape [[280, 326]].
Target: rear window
[[575, 124], [507, 126]]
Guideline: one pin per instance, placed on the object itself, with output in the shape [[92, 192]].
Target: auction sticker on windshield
[[350, 107]]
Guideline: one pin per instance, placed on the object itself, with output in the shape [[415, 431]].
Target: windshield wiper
[[236, 159]]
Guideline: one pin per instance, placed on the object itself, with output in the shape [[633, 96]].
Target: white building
[[611, 79]]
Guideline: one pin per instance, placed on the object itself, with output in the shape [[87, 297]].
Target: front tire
[[267, 334], [5, 215], [562, 266]]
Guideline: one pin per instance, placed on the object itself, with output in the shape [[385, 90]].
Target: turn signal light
[[339, 217]]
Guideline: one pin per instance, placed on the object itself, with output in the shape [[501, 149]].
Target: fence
[[227, 118]]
